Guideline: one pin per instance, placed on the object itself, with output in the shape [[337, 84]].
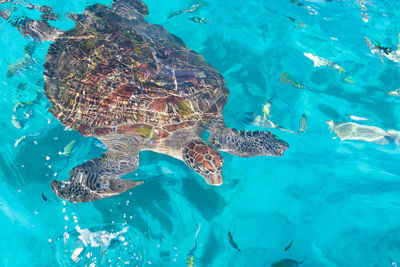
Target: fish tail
[[348, 79], [369, 43]]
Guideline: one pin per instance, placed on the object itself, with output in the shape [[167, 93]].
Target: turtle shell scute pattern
[[112, 75]]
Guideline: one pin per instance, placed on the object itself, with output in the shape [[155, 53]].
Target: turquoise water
[[337, 199]]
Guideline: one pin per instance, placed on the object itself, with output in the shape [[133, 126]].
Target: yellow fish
[[285, 78], [200, 20]]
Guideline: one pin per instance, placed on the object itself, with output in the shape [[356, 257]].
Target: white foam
[[98, 239]]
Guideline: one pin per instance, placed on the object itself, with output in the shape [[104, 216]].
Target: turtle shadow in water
[[211, 249], [205, 199], [330, 112]]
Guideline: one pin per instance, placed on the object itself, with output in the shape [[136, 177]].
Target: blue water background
[[338, 200]]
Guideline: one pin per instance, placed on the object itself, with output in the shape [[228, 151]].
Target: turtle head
[[248, 144], [205, 160]]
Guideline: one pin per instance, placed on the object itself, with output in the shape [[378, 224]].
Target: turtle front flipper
[[131, 9], [205, 160], [248, 144], [98, 178]]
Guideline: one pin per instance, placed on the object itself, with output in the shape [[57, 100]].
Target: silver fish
[[387, 52], [303, 124], [319, 61], [355, 131], [394, 92]]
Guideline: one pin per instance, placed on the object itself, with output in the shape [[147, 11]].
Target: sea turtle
[[136, 87]]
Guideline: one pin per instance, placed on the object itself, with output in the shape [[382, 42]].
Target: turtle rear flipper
[[131, 9], [98, 178], [39, 30]]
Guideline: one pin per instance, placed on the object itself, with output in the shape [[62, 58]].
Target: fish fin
[[369, 43], [300, 25], [283, 129], [341, 70]]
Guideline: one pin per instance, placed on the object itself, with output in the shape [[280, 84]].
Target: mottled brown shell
[[113, 75]]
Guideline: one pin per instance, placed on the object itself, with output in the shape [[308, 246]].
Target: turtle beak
[[214, 178]]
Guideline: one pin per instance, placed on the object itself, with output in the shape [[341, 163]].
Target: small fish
[[200, 20], [190, 257], [300, 4], [176, 13], [44, 197], [22, 104], [289, 246], [356, 118], [383, 51], [348, 80], [292, 19], [303, 125], [299, 23], [297, 3], [285, 78], [30, 49], [190, 261], [394, 92], [288, 263], [355, 131], [20, 140], [319, 61], [15, 122], [266, 110], [68, 149], [267, 107], [260, 121], [21, 65], [234, 245], [191, 9]]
